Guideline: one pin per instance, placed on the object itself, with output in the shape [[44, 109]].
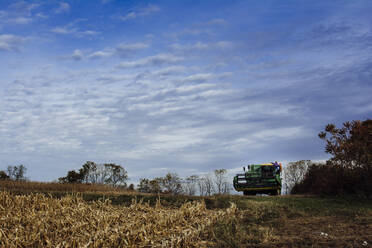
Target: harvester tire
[[273, 192]]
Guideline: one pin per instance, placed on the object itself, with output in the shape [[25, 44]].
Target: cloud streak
[[140, 12], [74, 31], [62, 8], [11, 43], [197, 88], [156, 60]]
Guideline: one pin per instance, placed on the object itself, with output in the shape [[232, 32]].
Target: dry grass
[[39, 220], [26, 186], [36, 220], [296, 222]]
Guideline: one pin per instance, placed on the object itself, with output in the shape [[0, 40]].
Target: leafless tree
[[226, 187], [201, 186], [208, 185], [17, 173], [294, 173], [190, 184], [90, 172], [221, 181]]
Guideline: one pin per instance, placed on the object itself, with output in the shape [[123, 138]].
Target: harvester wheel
[[273, 192]]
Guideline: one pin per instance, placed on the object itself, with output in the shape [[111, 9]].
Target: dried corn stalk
[[36, 220]]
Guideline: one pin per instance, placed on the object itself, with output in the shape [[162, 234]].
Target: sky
[[178, 86]]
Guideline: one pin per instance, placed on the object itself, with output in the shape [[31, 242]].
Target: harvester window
[[267, 171]]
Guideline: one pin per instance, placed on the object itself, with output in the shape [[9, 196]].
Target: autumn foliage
[[349, 171]]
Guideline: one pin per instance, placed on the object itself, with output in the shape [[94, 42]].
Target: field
[[93, 218]]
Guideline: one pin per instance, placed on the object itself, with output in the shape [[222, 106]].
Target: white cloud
[[215, 22], [197, 46], [87, 32], [63, 30], [202, 46], [62, 8], [101, 54], [109, 78], [170, 70], [125, 48], [280, 133], [365, 108], [20, 20], [77, 55], [149, 9], [41, 15], [70, 29], [156, 60], [193, 32], [224, 44], [139, 12], [200, 77], [2, 14], [18, 13], [122, 50], [23, 7], [11, 43]]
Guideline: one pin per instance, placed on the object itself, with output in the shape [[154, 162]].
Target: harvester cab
[[260, 179]]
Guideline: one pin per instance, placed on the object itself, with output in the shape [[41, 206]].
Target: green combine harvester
[[260, 179]]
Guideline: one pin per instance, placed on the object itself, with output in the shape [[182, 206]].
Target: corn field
[[36, 220], [26, 186]]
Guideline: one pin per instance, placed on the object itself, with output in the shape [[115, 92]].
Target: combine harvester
[[260, 179]]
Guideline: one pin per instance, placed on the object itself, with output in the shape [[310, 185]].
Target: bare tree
[[17, 173], [208, 185], [89, 170], [294, 173], [101, 174], [221, 181], [226, 188], [190, 184], [201, 186]]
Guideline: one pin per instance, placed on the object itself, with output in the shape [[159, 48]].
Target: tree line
[[116, 176], [205, 185], [348, 171], [91, 172], [14, 172]]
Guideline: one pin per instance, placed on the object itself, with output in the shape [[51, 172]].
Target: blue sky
[[178, 86]]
